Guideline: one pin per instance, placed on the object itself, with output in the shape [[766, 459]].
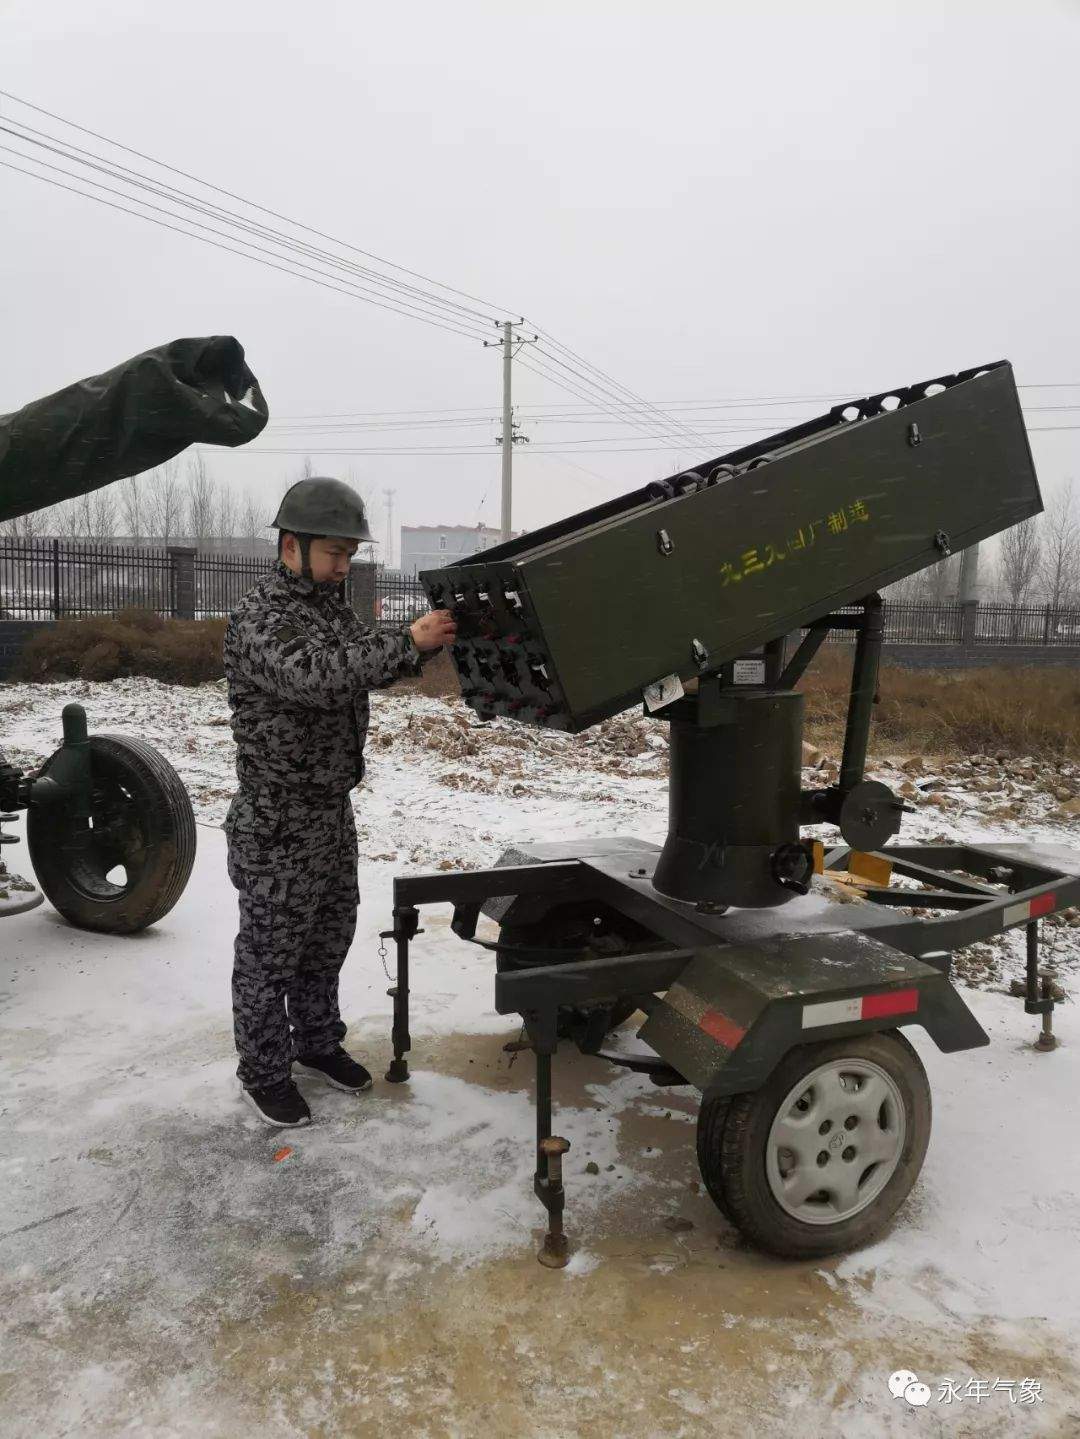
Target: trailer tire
[[854, 1113], [710, 1132], [143, 824]]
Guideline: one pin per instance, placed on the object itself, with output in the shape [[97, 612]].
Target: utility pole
[[508, 439], [389, 549], [969, 575]]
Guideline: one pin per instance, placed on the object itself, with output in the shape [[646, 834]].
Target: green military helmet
[[322, 506]]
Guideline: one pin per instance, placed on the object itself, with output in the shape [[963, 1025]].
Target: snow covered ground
[[169, 1266]]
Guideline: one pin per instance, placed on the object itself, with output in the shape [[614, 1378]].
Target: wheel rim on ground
[[115, 841], [836, 1141], [123, 866]]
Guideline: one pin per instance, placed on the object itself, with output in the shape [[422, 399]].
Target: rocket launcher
[[677, 580]]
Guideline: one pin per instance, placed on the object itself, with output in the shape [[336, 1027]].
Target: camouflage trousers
[[293, 863]]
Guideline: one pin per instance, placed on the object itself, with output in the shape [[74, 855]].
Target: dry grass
[[998, 711], [438, 679], [131, 642], [1033, 711]]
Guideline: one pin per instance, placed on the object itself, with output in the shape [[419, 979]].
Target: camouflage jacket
[[299, 664]]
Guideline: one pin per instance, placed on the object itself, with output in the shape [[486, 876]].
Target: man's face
[[330, 558]]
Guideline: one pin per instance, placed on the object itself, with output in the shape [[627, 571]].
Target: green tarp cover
[[127, 420]]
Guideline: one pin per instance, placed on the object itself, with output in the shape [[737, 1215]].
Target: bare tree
[[200, 500], [92, 516], [26, 527], [1018, 559], [254, 519], [907, 591], [1059, 559], [104, 511], [133, 506], [225, 513], [66, 519], [939, 583], [366, 554], [164, 502]]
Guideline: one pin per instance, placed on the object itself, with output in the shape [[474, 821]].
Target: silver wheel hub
[[836, 1140]]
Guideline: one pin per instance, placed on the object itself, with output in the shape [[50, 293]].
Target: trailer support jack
[[548, 1183]]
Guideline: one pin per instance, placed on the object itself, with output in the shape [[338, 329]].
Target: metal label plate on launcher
[[748, 672]]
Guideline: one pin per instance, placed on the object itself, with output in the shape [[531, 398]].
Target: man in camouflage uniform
[[299, 664]]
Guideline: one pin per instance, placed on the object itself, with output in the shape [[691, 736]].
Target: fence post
[[969, 615], [182, 562], [361, 591], [1047, 626], [56, 579]]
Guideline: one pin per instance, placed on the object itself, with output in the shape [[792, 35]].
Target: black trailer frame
[[750, 960], [982, 890]]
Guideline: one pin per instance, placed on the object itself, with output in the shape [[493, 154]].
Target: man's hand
[[431, 632]]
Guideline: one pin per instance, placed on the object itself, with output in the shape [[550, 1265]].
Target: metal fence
[[47, 579], [912, 624], [50, 579], [221, 581], [926, 623], [44, 579], [398, 599], [997, 624]]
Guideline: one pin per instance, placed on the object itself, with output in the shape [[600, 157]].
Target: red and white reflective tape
[[863, 1006], [1029, 909], [724, 1030]]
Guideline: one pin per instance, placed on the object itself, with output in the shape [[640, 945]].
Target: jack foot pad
[[556, 1251]]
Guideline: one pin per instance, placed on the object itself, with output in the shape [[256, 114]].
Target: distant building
[[429, 547]]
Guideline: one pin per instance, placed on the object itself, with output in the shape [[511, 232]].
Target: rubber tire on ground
[[733, 1132], [160, 811], [563, 927]]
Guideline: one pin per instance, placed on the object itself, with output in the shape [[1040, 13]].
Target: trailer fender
[[732, 1015]]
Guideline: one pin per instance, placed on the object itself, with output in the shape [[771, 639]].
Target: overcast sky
[[709, 201]]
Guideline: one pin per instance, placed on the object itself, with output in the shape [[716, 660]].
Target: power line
[[555, 362], [270, 264], [617, 447], [538, 414], [406, 300], [220, 190], [134, 179], [397, 301], [649, 427], [732, 426], [618, 406], [606, 378], [609, 390]]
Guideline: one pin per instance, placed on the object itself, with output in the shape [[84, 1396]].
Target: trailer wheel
[[821, 1157], [129, 867], [577, 927]]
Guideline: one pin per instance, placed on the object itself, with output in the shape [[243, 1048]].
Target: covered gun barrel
[[567, 625], [129, 419]]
